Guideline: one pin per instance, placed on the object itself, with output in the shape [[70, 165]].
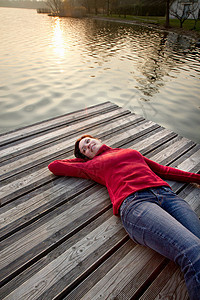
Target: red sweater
[[122, 171]]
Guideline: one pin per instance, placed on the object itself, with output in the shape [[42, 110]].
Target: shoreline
[[194, 35]]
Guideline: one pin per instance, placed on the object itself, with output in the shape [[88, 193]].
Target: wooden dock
[[59, 238]]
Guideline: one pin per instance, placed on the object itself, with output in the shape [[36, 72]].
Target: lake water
[[51, 66]]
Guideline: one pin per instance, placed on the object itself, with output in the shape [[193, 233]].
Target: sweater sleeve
[[172, 173], [68, 167]]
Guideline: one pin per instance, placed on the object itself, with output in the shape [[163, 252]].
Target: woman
[[152, 214]]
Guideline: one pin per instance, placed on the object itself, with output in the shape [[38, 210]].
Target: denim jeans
[[159, 219]]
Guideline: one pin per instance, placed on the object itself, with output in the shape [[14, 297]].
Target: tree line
[[128, 7], [120, 7], [131, 7]]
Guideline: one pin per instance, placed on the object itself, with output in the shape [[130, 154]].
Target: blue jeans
[[159, 219]]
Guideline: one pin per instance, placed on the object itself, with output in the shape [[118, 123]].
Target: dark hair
[[77, 151]]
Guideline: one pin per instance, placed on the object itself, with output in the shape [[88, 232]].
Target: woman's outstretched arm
[[172, 173], [68, 167]]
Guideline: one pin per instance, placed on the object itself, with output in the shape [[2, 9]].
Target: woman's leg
[[148, 224], [179, 209]]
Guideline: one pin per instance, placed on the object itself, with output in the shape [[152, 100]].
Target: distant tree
[[182, 10], [167, 4], [56, 6], [108, 7], [167, 13], [94, 6], [196, 16], [86, 4]]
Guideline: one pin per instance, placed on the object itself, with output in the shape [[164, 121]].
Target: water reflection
[[66, 64], [104, 39], [154, 63], [58, 40], [152, 54]]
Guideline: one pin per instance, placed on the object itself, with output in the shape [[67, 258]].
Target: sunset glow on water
[[52, 66]]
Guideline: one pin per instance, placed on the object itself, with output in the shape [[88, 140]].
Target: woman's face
[[89, 146]]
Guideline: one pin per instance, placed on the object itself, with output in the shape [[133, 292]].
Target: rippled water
[[52, 66]]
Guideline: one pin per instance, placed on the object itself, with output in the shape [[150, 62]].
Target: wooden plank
[[20, 185], [14, 216], [131, 134], [40, 230], [169, 157], [176, 149], [84, 286], [191, 164], [121, 276], [192, 161], [25, 161], [39, 202], [192, 195], [169, 284], [23, 185], [41, 176], [54, 122], [29, 242], [165, 282], [31, 204], [34, 205], [59, 237], [153, 140], [24, 146], [77, 256]]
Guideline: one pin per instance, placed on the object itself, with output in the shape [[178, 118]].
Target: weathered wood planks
[[58, 236], [48, 125]]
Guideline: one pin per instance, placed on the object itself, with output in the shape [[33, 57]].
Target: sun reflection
[[58, 41]]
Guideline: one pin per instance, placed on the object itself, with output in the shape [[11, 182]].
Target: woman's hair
[[77, 151]]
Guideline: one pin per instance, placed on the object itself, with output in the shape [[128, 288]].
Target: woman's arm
[[172, 173], [68, 167]]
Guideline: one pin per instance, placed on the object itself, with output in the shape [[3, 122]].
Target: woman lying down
[[151, 213]]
